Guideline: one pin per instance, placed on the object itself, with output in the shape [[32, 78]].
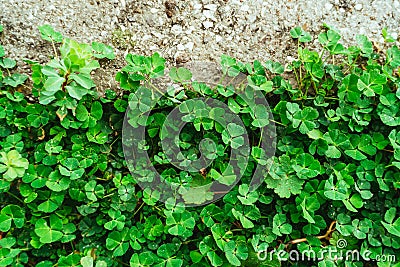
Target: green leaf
[[393, 56], [49, 34], [235, 252], [9, 214], [195, 256], [227, 178], [274, 67], [96, 110], [180, 74], [83, 80], [87, 261], [280, 226], [232, 135], [47, 234], [329, 38], [50, 205], [365, 45], [335, 192], [299, 33], [117, 241], [98, 134], [52, 85], [390, 215], [81, 113], [392, 227], [12, 165], [76, 91], [103, 51]]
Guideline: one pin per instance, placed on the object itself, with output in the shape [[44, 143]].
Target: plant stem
[[155, 87], [278, 123], [141, 205], [14, 196], [325, 236], [259, 142], [54, 48]]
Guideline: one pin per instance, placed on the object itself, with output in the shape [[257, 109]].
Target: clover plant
[[70, 197]]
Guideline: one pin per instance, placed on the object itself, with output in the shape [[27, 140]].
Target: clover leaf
[[49, 233], [299, 33], [12, 165], [118, 242], [11, 213]]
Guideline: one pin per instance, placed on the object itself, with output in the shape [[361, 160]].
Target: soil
[[185, 32]]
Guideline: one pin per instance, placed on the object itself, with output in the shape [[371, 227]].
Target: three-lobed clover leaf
[[236, 251], [9, 214], [117, 241], [392, 225], [49, 232], [49, 34], [12, 165], [280, 226], [299, 33], [233, 135]]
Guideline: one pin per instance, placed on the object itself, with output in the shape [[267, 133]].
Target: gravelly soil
[[187, 31]]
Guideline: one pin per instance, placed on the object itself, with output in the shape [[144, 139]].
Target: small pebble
[[209, 14], [180, 47], [197, 6], [208, 24], [212, 7], [205, 29], [244, 8], [358, 7], [189, 46], [328, 6], [176, 29]]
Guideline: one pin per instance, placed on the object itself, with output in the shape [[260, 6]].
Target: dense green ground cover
[[68, 198]]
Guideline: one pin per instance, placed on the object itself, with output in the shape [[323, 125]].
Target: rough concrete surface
[[187, 31]]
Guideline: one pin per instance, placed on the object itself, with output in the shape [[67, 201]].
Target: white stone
[[153, 10], [190, 30], [244, 8], [146, 37], [209, 14], [328, 6], [212, 7], [123, 4], [157, 34], [208, 24], [197, 6], [180, 47], [290, 59], [176, 29], [358, 7], [218, 38], [189, 46], [252, 18]]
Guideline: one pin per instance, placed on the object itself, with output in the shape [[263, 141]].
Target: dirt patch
[[187, 31]]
